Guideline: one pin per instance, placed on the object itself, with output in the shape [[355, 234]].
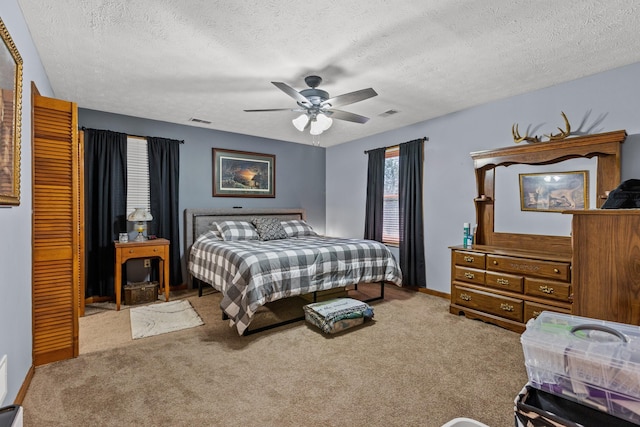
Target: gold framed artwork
[[243, 174], [554, 191], [10, 119]]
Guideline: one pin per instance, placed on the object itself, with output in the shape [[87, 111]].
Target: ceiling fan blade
[[350, 98], [345, 115], [292, 93], [273, 109]]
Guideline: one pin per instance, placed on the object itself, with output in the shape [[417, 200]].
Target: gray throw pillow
[[269, 228]]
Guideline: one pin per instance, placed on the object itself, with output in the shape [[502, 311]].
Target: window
[[391, 214], [137, 175]]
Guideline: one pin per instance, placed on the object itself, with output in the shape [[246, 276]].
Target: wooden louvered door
[[57, 244]]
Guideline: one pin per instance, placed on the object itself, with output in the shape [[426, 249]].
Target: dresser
[[508, 287], [606, 253], [507, 278]]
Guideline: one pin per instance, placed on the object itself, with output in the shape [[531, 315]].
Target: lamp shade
[[139, 214], [300, 122], [319, 124]]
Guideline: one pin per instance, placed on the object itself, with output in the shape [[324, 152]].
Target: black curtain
[[105, 165], [373, 219], [412, 261], [164, 172]]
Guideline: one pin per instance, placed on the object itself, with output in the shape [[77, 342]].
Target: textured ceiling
[[175, 60]]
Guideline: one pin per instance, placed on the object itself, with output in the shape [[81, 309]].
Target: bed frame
[[198, 221]]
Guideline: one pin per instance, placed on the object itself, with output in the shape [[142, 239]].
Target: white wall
[[449, 180], [15, 222]]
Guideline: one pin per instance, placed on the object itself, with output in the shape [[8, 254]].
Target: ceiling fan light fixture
[[300, 122], [324, 121], [316, 128]]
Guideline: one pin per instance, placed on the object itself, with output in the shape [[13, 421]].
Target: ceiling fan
[[317, 108]]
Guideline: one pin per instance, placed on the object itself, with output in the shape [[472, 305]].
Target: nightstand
[[156, 248]]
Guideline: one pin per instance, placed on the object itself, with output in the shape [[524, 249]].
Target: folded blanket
[[337, 314]]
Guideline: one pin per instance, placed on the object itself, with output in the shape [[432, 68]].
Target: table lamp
[[140, 217]]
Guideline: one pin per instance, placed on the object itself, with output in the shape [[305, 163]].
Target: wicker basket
[[140, 293]]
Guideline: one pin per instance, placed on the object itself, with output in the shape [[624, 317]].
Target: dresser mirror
[[497, 170], [509, 216]]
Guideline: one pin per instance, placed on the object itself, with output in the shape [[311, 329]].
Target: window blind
[[137, 175]]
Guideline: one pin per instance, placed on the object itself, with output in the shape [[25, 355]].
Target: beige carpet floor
[[415, 364]]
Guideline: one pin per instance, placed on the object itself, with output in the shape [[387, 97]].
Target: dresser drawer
[[529, 267], [469, 259], [510, 308], [550, 289], [504, 281], [470, 275], [533, 310]]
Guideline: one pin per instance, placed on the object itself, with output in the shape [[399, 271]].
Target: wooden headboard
[[198, 221]]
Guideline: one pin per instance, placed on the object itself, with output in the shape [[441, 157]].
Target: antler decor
[[517, 138], [563, 134], [557, 137]]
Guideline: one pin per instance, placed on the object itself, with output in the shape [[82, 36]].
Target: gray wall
[[300, 169], [449, 180], [301, 172], [15, 222]]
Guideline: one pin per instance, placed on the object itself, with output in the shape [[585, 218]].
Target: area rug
[[156, 319]]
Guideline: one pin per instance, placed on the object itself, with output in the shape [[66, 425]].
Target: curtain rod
[[424, 139], [181, 141]]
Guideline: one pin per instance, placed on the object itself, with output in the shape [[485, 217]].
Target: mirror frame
[[10, 123], [606, 147]]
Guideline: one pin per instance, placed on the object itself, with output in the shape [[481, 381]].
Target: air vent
[[206, 122], [389, 113]]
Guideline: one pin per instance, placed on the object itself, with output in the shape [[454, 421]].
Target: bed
[[279, 256]]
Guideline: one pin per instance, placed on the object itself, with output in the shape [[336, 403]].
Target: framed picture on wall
[[10, 119], [554, 191], [243, 174]]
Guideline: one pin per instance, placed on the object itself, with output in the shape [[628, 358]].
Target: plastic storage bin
[[535, 407], [592, 362]]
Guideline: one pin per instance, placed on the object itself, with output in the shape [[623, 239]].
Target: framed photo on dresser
[[554, 191]]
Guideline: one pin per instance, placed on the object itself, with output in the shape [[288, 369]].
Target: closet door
[[56, 229]]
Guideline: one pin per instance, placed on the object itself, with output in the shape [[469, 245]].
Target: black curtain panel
[[105, 165], [164, 172], [412, 262], [373, 220]]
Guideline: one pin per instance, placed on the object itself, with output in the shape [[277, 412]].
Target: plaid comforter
[[251, 273]]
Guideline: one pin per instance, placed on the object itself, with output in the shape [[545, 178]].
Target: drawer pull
[[495, 262], [131, 251], [546, 289], [468, 258], [502, 281], [465, 297], [155, 249], [506, 307], [555, 270], [469, 275], [536, 314]]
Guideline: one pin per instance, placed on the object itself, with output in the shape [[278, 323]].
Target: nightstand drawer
[[141, 252]]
